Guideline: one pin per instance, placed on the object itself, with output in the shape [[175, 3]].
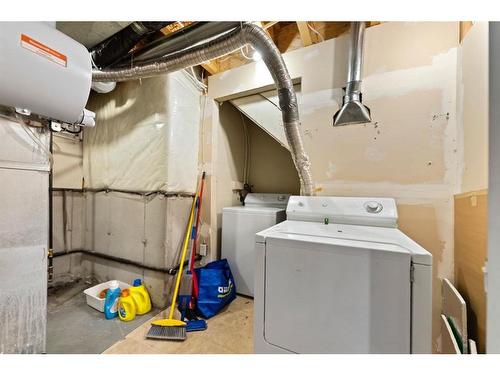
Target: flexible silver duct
[[353, 111], [227, 43]]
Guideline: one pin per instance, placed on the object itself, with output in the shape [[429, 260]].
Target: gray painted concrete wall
[[148, 230]]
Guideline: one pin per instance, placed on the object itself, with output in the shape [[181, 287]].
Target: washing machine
[[239, 226], [338, 276]]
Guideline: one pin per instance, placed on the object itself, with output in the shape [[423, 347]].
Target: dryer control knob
[[373, 207]]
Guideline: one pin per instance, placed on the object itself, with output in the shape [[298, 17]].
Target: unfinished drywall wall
[[271, 167], [408, 152], [471, 203], [473, 106]]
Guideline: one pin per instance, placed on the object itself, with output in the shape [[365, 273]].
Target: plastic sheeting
[[24, 222], [146, 136]]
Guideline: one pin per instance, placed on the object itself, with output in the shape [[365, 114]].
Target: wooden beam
[[266, 25], [211, 66], [465, 26], [305, 34]]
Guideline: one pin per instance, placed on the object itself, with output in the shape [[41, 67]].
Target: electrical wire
[[315, 31], [243, 53]]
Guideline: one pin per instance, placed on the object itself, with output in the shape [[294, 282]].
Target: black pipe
[[124, 191], [179, 40], [117, 45], [166, 270]]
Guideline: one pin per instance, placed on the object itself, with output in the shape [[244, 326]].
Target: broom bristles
[[167, 333]]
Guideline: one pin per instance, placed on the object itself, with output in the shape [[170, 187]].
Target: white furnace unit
[[339, 277], [239, 226]]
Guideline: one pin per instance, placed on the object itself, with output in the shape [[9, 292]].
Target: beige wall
[[68, 162], [408, 152], [473, 106], [271, 166], [471, 205]]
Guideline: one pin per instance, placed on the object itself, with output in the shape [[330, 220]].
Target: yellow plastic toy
[[141, 297], [126, 306]]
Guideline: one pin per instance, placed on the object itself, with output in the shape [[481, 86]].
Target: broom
[[170, 328]]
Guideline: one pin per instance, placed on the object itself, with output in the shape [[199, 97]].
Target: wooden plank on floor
[[455, 309], [448, 343], [471, 211]]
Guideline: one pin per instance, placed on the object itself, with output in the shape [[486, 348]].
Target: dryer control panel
[[379, 212]]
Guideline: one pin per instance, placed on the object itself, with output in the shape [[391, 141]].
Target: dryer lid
[[371, 236]]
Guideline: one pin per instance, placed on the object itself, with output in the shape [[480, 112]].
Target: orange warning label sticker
[[42, 50]]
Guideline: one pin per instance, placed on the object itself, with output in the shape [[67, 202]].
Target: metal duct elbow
[[353, 111], [231, 41]]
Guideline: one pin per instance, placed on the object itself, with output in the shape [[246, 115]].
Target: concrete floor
[[75, 327], [228, 332]]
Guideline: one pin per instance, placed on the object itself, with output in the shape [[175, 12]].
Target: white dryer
[[239, 226], [339, 277]]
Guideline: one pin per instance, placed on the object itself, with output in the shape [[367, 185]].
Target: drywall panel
[[271, 166], [473, 106], [229, 150], [455, 310], [264, 113], [471, 213], [146, 136], [411, 150], [263, 109], [68, 162]]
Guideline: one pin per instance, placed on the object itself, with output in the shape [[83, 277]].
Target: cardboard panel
[[470, 255]]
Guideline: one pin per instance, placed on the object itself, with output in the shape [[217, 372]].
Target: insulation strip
[[227, 43]]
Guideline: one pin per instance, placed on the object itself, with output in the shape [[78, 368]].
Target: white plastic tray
[[92, 294]]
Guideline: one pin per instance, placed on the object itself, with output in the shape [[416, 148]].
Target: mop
[[188, 304], [170, 328]]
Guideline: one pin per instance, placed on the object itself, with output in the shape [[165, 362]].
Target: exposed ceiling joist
[[211, 67], [305, 34]]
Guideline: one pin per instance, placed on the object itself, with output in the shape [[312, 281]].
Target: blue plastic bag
[[216, 288]]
